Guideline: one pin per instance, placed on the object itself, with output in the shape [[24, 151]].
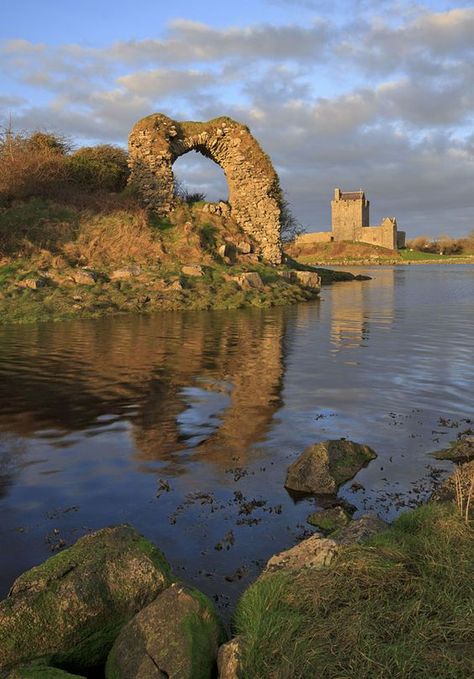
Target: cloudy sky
[[371, 94]]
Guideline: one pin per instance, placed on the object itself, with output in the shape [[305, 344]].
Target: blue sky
[[373, 95]]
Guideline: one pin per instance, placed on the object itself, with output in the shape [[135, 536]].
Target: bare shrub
[[182, 193], [33, 165], [101, 167], [420, 243], [290, 226]]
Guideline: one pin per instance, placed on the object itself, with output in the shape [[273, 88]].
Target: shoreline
[[366, 263], [30, 293]]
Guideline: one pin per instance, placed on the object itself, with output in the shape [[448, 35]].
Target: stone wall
[[384, 235], [156, 141], [315, 237]]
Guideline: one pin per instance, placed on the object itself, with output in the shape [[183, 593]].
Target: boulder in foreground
[[324, 466], [177, 635], [71, 608]]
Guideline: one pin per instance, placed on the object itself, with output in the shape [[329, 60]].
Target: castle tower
[[350, 212]]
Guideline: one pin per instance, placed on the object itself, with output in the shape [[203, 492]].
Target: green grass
[[417, 256], [400, 606]]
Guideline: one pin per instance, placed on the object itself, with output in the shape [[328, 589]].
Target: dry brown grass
[[110, 238], [28, 168], [464, 492]]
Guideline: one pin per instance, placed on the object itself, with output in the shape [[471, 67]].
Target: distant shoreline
[[364, 263]]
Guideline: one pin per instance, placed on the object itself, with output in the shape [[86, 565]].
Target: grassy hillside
[[106, 255], [363, 253]]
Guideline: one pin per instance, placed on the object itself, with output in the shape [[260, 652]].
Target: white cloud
[[398, 98]]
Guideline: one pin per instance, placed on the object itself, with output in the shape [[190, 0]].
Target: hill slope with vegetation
[[347, 252], [75, 241]]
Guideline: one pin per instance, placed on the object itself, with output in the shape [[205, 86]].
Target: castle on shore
[[350, 221]]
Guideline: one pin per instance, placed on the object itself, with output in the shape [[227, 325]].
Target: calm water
[[184, 424]]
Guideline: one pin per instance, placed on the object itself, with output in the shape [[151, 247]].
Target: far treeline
[[443, 245]]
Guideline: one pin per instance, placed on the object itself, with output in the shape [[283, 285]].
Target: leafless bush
[[31, 165]]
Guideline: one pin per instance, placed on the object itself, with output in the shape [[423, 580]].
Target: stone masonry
[[350, 221], [156, 141]]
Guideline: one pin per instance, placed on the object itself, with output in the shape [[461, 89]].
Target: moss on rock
[[72, 607], [177, 635], [324, 466], [329, 520]]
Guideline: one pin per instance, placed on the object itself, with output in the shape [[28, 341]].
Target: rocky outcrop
[[71, 608], [324, 466], [177, 635], [308, 279], [157, 141], [319, 552], [461, 450]]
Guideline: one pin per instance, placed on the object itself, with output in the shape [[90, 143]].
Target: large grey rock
[[324, 466], [176, 636], [229, 659], [72, 607], [460, 451]]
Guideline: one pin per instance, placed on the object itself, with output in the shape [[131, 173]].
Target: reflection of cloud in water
[[202, 416]]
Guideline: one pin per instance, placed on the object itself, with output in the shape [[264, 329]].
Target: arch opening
[[197, 174]]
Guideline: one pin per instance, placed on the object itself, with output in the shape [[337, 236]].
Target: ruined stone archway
[[156, 141]]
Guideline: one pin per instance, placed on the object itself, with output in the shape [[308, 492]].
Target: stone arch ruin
[[156, 141]]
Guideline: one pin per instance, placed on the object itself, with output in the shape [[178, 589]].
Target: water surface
[[183, 424]]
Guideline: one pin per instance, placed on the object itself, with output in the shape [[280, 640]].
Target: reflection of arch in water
[[156, 141], [138, 370]]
